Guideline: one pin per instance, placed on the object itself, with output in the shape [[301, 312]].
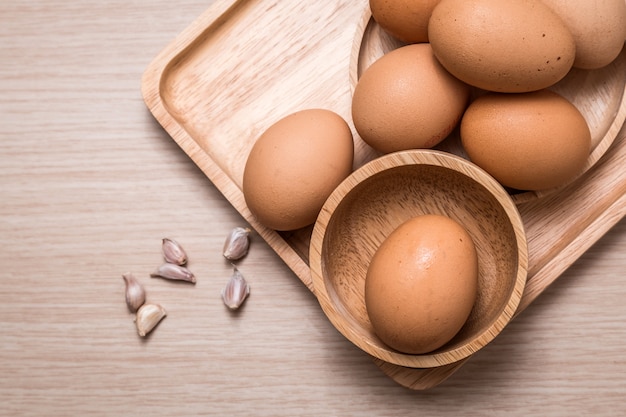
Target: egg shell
[[406, 20], [407, 100], [295, 165], [421, 284], [501, 45], [598, 27], [528, 141]]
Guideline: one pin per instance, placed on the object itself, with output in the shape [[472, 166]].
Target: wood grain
[[190, 96], [90, 183]]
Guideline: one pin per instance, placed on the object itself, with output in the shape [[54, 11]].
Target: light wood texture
[[90, 183], [215, 112], [386, 192]]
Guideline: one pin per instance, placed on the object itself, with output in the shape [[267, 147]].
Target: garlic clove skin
[[236, 291], [135, 293], [237, 243], [148, 316], [173, 252], [174, 272]]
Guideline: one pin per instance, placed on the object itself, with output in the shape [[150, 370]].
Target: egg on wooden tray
[[405, 20], [598, 28], [526, 141], [407, 100], [295, 165], [509, 46]]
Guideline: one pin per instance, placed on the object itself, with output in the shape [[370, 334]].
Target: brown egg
[[528, 141], [295, 165], [501, 45], [598, 27], [407, 20], [421, 284], [407, 100]]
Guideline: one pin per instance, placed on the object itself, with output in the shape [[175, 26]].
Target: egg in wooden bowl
[[357, 222]]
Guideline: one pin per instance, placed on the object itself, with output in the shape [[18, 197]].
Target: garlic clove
[[148, 316], [237, 243], [173, 252], [236, 290], [174, 272], [135, 293]]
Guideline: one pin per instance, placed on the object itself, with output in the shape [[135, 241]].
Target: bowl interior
[[376, 199]]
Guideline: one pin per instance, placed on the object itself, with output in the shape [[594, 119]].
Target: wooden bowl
[[377, 198]]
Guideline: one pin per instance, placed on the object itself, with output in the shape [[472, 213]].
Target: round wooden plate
[[598, 95]]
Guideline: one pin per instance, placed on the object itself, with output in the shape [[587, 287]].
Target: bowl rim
[[407, 158]]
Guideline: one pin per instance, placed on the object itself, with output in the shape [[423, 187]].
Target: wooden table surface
[[90, 184]]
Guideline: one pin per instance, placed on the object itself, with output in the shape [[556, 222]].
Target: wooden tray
[[244, 64]]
